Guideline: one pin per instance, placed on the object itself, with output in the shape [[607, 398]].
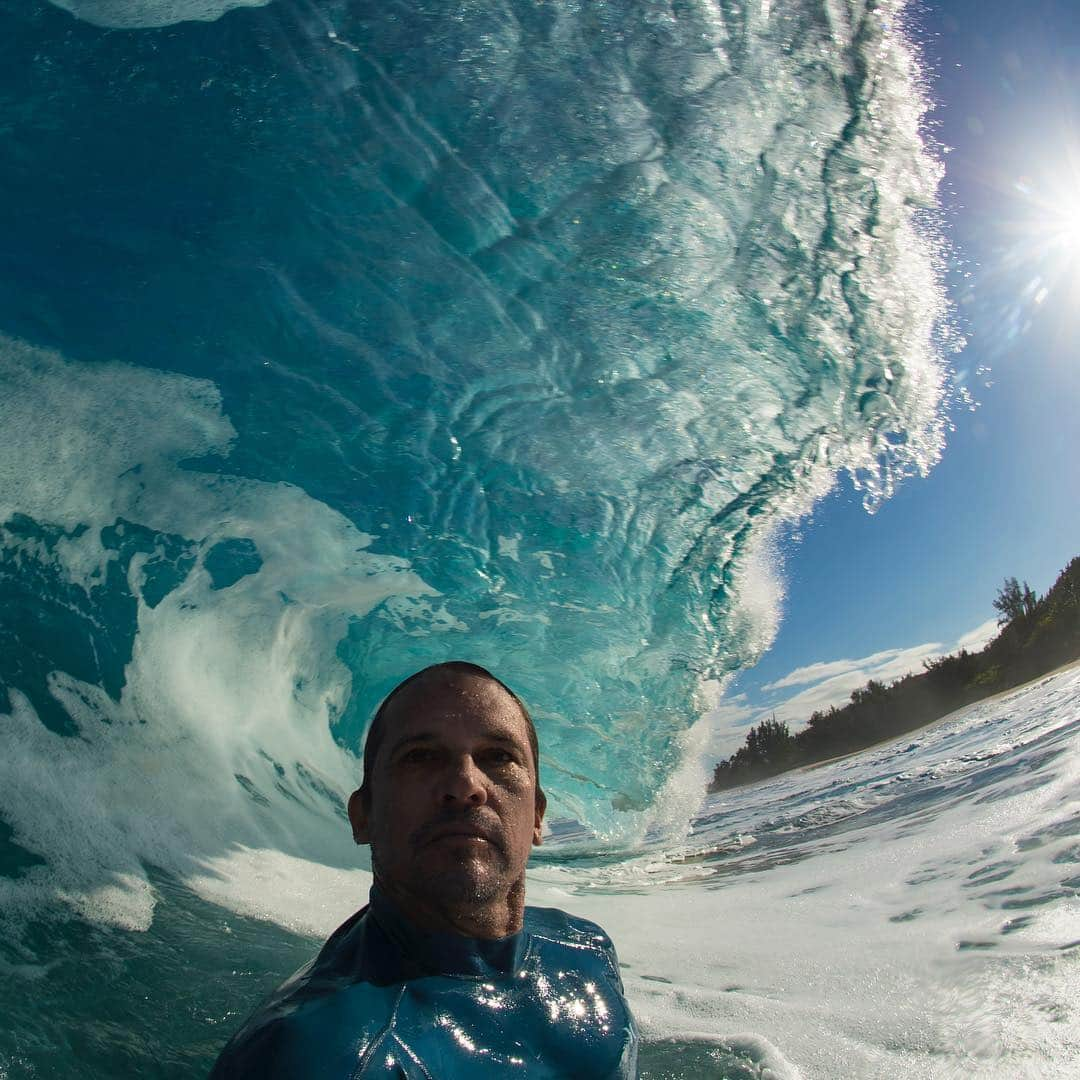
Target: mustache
[[477, 822]]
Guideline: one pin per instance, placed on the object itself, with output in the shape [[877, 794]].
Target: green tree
[[770, 741], [874, 692], [1014, 600]]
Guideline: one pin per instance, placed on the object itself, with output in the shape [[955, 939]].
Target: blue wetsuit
[[384, 999]]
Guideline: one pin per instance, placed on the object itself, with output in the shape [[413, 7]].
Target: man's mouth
[[460, 834], [459, 831]]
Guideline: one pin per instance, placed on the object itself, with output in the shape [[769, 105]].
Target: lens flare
[[1030, 229]]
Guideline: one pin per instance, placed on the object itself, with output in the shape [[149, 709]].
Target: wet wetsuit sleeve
[[249, 1054]]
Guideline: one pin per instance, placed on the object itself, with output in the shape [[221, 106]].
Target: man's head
[[450, 803]]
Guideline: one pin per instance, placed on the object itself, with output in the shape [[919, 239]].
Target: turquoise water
[[338, 338], [507, 330]]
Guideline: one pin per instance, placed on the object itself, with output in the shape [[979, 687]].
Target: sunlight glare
[[1071, 224]]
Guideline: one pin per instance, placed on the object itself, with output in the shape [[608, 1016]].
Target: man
[[446, 973]]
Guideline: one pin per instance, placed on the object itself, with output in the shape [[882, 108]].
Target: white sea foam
[[221, 740], [135, 14], [876, 951]]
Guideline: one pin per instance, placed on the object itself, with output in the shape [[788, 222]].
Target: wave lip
[[147, 14]]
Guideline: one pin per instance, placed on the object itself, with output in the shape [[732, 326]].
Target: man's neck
[[496, 918]]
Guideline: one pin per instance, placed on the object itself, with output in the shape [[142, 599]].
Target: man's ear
[[358, 818], [538, 820]]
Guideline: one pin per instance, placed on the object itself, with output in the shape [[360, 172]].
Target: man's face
[[453, 807]]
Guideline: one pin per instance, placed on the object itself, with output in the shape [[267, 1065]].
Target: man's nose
[[464, 784]]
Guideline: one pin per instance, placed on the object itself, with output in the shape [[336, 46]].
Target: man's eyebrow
[[409, 740], [434, 736]]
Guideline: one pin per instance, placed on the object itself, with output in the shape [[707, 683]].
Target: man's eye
[[498, 757], [417, 755]]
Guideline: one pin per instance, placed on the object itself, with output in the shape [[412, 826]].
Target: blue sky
[[872, 596]]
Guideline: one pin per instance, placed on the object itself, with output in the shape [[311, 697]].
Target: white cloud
[[975, 639], [813, 673]]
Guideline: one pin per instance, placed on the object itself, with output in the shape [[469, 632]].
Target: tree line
[[1037, 634]]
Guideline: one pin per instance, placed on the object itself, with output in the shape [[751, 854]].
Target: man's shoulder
[[558, 925], [314, 1023]]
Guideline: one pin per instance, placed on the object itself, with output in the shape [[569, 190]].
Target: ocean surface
[[341, 338]]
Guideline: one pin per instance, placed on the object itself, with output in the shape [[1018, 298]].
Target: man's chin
[[466, 883]]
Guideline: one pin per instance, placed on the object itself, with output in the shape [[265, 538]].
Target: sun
[[1046, 222], [1071, 224], [1055, 212], [1029, 222]]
